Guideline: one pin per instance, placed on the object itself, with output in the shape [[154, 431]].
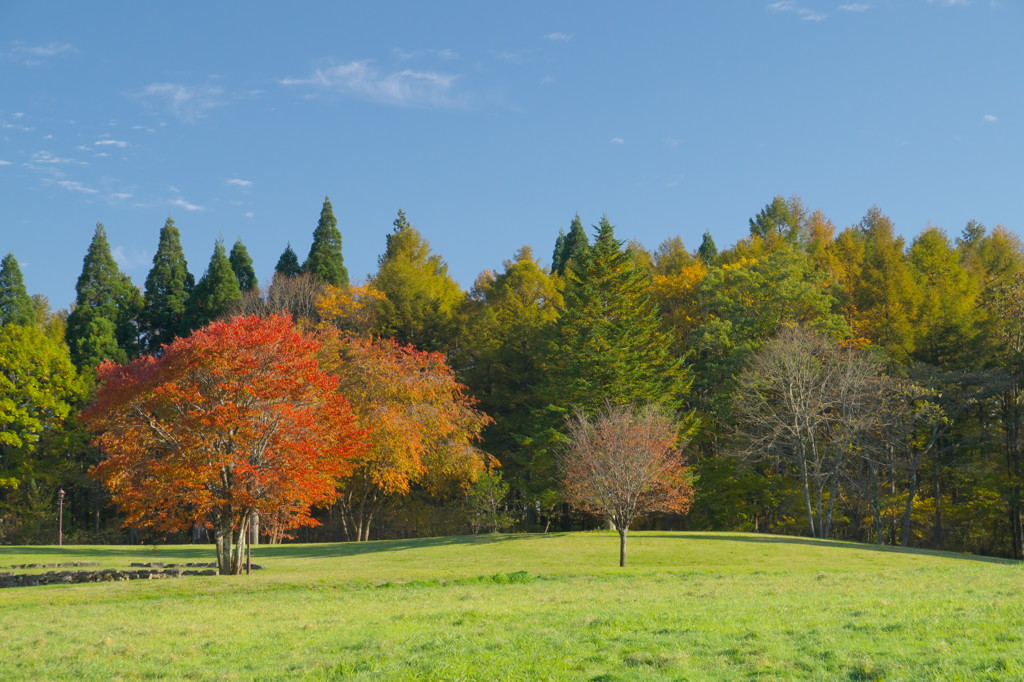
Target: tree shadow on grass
[[342, 549], [811, 542]]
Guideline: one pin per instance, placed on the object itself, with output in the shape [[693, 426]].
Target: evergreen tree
[[241, 264], [168, 286], [325, 259], [707, 251], [15, 304], [104, 322], [216, 293], [288, 263], [420, 298], [570, 247], [608, 344]]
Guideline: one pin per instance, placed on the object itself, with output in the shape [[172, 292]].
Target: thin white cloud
[[240, 183], [559, 37], [855, 7], [129, 259], [75, 186], [120, 196], [33, 55], [616, 140], [989, 118], [249, 214], [447, 54], [792, 6], [547, 80], [186, 102], [949, 3], [181, 203], [4, 163], [406, 88], [110, 143], [47, 157]]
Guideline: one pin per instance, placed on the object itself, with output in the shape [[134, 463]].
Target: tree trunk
[[623, 529], [911, 494], [807, 495]]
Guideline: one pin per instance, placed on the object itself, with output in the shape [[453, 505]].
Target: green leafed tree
[[508, 316], [104, 321], [216, 294], [168, 286], [15, 304], [325, 259], [288, 263], [241, 264], [420, 298], [38, 385]]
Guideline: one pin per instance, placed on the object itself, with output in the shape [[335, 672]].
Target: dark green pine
[[325, 259], [288, 263], [572, 247], [707, 251], [168, 287], [15, 304], [608, 345], [241, 263], [104, 323], [217, 293]]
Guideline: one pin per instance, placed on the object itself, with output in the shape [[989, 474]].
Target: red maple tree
[[234, 421]]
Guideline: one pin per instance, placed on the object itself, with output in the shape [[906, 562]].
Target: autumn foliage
[[235, 421], [623, 463], [422, 425]]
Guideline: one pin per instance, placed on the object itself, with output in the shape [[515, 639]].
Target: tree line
[[832, 382]]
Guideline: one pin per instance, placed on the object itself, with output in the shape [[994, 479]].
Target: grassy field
[[692, 606]]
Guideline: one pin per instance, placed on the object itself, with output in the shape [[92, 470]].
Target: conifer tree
[[570, 247], [707, 251], [104, 322], [216, 293], [16, 305], [288, 263], [325, 259], [241, 264], [420, 298], [781, 217], [608, 345], [168, 286]]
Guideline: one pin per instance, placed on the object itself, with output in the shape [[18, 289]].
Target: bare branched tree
[[296, 296], [623, 463], [805, 401]]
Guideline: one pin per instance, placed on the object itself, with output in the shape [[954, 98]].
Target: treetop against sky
[[492, 125]]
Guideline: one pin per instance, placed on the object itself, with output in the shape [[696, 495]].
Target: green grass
[[692, 606]]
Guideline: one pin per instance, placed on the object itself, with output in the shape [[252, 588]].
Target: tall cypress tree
[[288, 263], [608, 344], [707, 251], [325, 259], [216, 293], [104, 322], [16, 305], [241, 263], [168, 287], [570, 247]]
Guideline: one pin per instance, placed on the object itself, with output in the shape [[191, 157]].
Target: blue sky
[[492, 124]]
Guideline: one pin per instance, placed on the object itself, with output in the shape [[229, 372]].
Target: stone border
[[154, 571]]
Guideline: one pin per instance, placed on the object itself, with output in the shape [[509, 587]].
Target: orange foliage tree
[[422, 425], [624, 463], [234, 421]]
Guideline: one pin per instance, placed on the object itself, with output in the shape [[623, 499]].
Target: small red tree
[[234, 421], [624, 463]]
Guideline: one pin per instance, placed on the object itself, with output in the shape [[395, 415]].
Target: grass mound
[[691, 606]]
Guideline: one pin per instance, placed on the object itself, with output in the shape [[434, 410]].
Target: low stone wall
[[150, 571]]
